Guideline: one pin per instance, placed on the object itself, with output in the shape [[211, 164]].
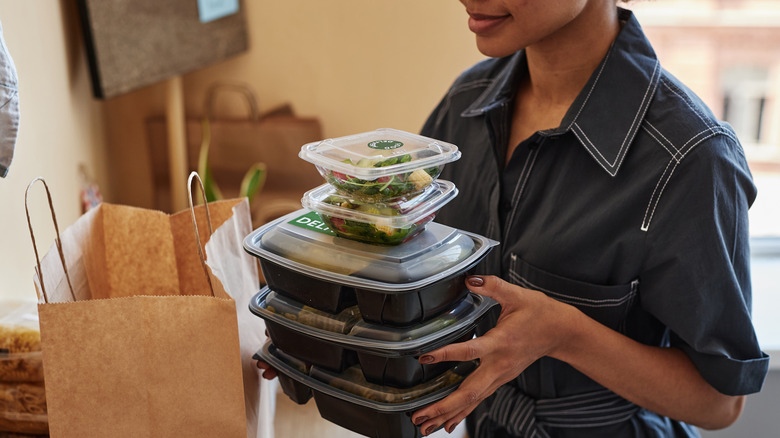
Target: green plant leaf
[[210, 186], [253, 181]]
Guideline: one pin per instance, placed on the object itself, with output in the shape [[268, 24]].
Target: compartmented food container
[[397, 285], [388, 223], [298, 392], [386, 355], [20, 343], [380, 165], [350, 402], [23, 408]]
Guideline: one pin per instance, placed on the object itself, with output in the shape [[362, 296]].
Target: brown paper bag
[[139, 339]]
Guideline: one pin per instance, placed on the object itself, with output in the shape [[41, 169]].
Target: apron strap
[[524, 416]]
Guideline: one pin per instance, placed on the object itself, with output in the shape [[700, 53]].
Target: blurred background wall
[[61, 128]]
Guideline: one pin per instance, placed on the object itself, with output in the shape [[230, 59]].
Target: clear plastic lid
[[400, 213], [353, 381], [301, 242], [383, 152], [351, 386], [289, 361], [461, 313], [341, 322], [373, 338]]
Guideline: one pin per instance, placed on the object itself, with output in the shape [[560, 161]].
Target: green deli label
[[312, 221], [385, 144]]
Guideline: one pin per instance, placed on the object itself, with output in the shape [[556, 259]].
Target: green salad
[[384, 187], [370, 232]]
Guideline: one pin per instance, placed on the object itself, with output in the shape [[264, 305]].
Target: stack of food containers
[[361, 282], [22, 393]]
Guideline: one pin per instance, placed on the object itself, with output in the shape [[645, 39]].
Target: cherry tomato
[[339, 176], [337, 223]]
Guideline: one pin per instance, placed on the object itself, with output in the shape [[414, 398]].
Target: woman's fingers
[[529, 325], [450, 425], [460, 352], [494, 287], [504, 351], [455, 407], [268, 372]]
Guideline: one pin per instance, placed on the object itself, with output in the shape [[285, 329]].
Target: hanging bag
[[273, 138]]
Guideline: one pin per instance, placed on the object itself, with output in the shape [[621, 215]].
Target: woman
[[621, 206]]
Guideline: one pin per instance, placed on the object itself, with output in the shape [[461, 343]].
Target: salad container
[[388, 223], [397, 285], [380, 165], [349, 401], [386, 356]]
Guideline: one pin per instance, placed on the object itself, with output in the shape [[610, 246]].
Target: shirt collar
[[607, 114]]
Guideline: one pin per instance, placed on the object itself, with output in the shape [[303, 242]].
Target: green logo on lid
[[312, 221], [385, 144]]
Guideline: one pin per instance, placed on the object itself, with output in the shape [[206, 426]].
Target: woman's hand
[[531, 325], [268, 372]]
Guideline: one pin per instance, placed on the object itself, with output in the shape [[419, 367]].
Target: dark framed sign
[[134, 43]]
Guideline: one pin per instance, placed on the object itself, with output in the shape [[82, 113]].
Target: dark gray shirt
[[634, 210]]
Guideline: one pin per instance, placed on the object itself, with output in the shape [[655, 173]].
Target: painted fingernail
[[426, 359], [420, 420], [475, 281], [430, 430], [452, 427]]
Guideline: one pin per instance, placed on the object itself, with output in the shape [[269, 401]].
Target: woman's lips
[[480, 23]]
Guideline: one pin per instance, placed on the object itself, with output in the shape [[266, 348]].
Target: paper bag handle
[[254, 113], [194, 175], [56, 240]]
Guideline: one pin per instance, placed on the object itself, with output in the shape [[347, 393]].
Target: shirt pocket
[[607, 304]]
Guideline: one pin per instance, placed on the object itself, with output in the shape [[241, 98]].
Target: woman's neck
[[558, 68]]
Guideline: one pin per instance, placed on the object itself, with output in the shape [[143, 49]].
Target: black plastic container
[[398, 285], [348, 401], [295, 390], [386, 355], [324, 295]]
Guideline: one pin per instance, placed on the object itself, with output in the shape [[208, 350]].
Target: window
[[745, 91]]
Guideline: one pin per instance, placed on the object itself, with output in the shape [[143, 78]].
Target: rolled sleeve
[[696, 279], [9, 123], [9, 107], [729, 375]]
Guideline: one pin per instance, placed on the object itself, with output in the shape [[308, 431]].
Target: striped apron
[[511, 411]]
